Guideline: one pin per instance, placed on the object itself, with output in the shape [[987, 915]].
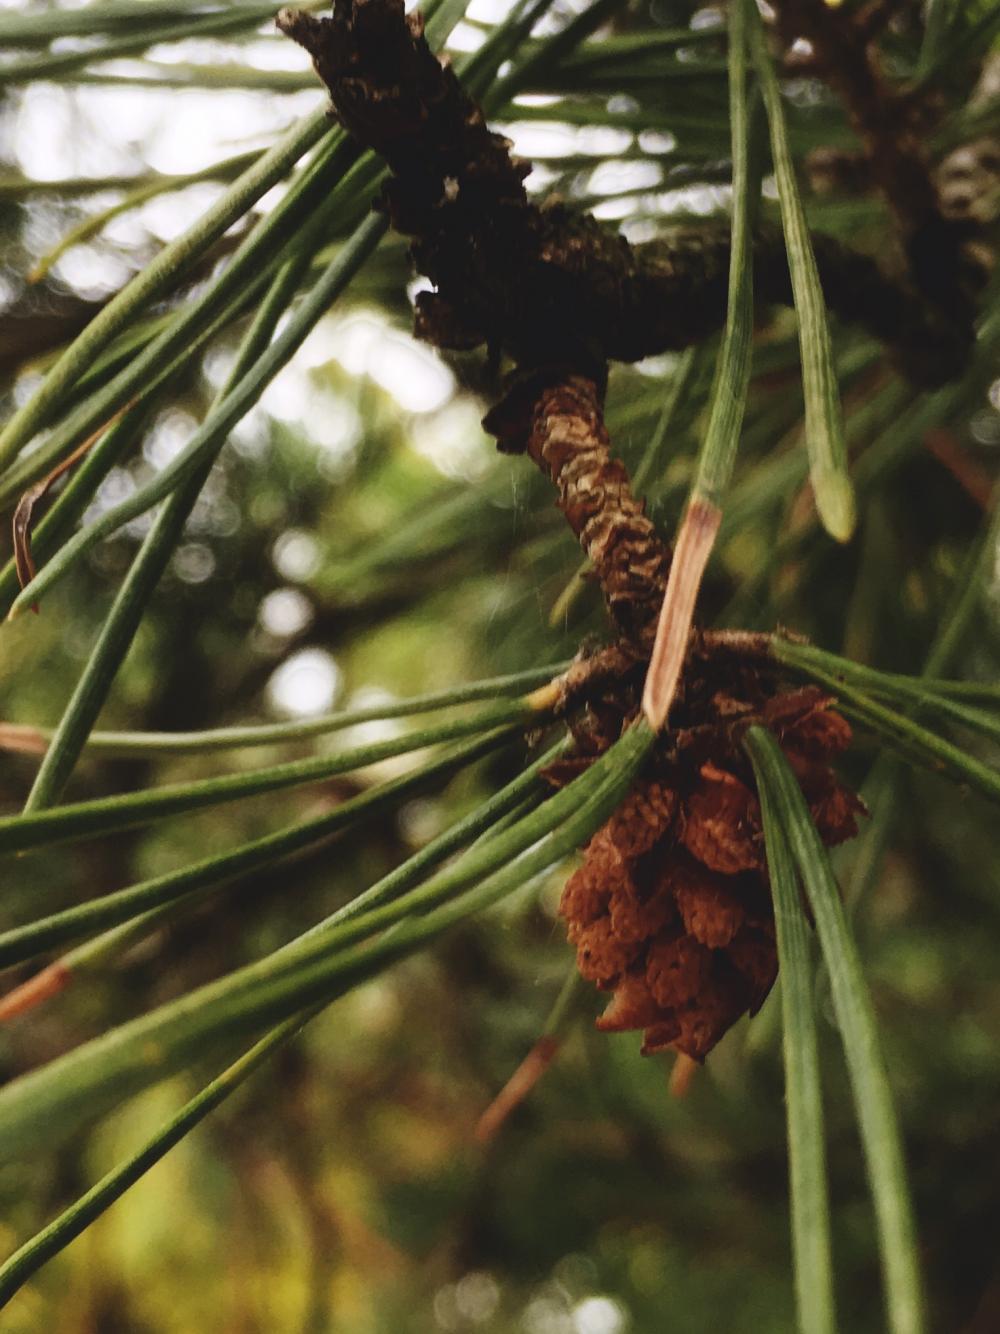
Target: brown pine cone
[[671, 907]]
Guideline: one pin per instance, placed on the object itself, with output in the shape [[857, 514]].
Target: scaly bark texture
[[527, 279], [558, 419]]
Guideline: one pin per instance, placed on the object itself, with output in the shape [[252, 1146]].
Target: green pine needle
[[824, 422], [856, 1020]]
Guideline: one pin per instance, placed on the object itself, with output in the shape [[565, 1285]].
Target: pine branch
[[526, 278]]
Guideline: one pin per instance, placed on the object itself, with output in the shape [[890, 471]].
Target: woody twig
[[670, 910], [527, 279]]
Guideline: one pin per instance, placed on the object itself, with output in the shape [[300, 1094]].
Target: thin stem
[[108, 910], [855, 1015], [29, 1258], [86, 819], [703, 514], [918, 742], [79, 1086], [824, 421], [803, 1098], [32, 740]]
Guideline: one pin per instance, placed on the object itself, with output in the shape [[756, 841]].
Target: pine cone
[[671, 910]]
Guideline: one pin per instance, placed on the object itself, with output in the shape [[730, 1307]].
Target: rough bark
[[526, 278], [557, 418]]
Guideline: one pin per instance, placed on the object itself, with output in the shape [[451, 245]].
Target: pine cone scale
[[671, 910]]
